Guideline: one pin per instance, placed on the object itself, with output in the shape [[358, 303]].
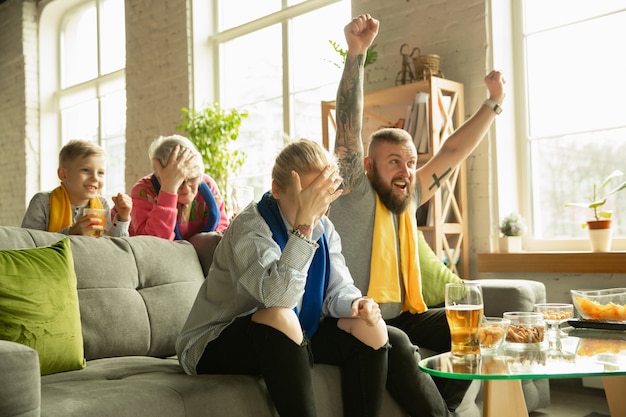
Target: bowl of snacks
[[608, 304], [491, 333], [527, 329], [555, 313]]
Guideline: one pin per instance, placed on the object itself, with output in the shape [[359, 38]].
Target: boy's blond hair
[[78, 148]]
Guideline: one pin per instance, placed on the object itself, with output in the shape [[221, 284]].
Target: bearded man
[[375, 217]]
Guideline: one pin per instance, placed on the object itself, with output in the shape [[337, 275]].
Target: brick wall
[[18, 108], [157, 76]]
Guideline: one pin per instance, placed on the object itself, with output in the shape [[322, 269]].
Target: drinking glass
[[100, 214], [241, 196], [554, 314], [464, 311]]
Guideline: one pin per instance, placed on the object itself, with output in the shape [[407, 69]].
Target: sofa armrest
[[205, 244], [500, 295], [20, 385]]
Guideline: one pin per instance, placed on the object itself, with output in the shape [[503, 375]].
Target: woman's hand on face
[[313, 200], [366, 309], [180, 166]]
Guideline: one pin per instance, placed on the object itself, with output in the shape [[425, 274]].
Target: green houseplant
[[512, 227], [599, 198], [370, 57], [213, 130], [600, 225]]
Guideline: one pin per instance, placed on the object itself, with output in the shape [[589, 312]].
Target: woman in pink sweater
[[178, 200]]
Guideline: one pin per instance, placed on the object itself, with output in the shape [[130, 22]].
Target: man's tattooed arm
[[349, 114]]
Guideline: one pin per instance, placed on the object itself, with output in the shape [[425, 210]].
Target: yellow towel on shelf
[[61, 215], [384, 286]]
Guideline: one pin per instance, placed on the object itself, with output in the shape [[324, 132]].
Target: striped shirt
[[249, 272]]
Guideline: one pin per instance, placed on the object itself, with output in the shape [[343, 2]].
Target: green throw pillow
[[435, 275], [39, 305]]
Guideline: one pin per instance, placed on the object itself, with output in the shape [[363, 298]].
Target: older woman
[[279, 296], [177, 201]]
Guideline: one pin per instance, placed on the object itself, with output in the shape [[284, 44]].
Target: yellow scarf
[[384, 286], [61, 215]]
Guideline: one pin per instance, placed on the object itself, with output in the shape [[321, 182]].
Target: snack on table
[[519, 333], [557, 315], [491, 333], [525, 328], [609, 304]]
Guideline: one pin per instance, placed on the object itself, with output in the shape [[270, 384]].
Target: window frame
[[521, 149], [52, 92], [204, 93]]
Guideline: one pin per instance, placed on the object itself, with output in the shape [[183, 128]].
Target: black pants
[[419, 393], [249, 348]]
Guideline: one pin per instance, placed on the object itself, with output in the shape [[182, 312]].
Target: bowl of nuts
[[527, 329], [555, 313], [491, 333]]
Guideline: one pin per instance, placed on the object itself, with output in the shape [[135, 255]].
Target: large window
[[88, 94], [276, 62], [575, 122]]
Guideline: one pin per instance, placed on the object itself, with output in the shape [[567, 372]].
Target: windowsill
[[571, 261]]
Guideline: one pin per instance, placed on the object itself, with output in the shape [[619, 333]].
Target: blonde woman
[[279, 297]]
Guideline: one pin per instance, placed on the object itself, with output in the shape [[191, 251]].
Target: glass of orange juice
[[464, 311], [97, 213]]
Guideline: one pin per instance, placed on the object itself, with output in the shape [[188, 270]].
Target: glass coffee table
[[583, 353]]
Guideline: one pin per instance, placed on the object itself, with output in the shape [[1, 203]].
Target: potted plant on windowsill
[[600, 225], [512, 227]]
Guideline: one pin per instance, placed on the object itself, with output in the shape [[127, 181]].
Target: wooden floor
[[569, 398]]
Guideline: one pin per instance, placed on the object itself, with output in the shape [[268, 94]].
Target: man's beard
[[396, 205]]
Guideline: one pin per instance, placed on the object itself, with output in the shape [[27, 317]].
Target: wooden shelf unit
[[448, 234]]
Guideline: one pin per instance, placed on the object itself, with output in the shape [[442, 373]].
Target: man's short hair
[[78, 148], [390, 135]]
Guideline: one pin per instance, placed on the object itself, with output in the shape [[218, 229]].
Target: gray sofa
[[133, 301]]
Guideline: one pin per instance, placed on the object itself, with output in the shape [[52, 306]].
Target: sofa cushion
[[39, 305]]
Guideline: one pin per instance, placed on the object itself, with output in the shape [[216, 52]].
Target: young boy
[[81, 171]]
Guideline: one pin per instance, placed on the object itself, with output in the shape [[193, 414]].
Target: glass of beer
[[464, 311]]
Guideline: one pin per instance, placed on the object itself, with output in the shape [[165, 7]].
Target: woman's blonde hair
[[303, 156], [163, 146]]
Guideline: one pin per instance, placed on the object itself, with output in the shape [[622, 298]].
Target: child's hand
[[123, 206], [88, 225]]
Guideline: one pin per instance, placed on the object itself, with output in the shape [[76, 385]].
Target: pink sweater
[[157, 215]]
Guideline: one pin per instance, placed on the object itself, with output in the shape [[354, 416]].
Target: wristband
[[299, 234], [493, 106]]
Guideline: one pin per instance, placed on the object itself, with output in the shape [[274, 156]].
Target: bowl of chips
[[606, 305]]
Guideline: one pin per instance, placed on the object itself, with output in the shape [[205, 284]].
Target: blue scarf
[[209, 200], [319, 270]]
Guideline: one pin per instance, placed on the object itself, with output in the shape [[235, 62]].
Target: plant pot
[[511, 244], [600, 235]]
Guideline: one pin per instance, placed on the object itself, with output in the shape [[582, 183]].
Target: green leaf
[[212, 130]]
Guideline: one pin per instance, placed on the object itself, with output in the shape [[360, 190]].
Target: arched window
[[83, 93]]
